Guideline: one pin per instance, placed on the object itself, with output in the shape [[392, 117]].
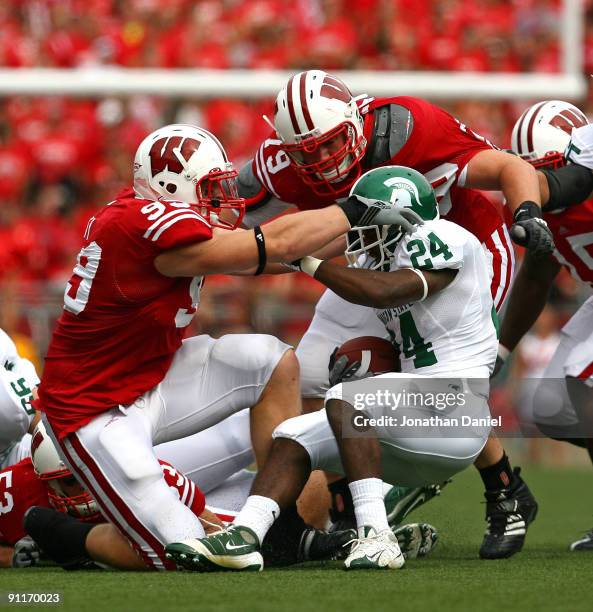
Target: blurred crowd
[[507, 35], [61, 158]]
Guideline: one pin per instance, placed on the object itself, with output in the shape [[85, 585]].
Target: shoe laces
[[356, 543]]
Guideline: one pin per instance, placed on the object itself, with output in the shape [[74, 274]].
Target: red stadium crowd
[[333, 34]]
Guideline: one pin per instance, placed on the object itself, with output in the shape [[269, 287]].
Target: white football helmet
[[317, 119], [188, 164], [51, 470], [542, 132]]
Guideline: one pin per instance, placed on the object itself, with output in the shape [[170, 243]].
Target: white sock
[[259, 514], [367, 495]]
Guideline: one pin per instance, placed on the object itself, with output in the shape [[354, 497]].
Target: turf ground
[[545, 576]]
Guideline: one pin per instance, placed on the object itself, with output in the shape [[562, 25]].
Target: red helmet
[[317, 119], [542, 132], [52, 471]]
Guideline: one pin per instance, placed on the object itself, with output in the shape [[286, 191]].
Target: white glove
[[26, 553], [306, 264]]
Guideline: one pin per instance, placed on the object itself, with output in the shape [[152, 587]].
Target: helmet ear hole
[[171, 187]]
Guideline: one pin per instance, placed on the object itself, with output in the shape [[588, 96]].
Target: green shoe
[[416, 539], [234, 549], [400, 501]]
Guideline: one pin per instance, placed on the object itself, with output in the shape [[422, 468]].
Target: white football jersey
[[580, 148], [453, 331], [17, 380]]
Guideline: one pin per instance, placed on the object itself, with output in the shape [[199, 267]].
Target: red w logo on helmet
[[162, 156], [566, 120], [334, 88]]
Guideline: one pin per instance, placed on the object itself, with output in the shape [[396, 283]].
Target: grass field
[[545, 576]]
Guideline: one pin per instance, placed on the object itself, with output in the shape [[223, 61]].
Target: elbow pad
[[569, 185]]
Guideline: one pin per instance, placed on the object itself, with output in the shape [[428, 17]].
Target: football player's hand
[[295, 265], [340, 369], [306, 264], [375, 212], [26, 553], [529, 230]]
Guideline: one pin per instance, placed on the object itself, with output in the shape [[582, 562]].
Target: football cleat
[[508, 513], [585, 543], [400, 501], [372, 550], [317, 545], [232, 549], [416, 539]]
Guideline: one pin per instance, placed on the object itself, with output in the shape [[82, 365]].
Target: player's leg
[[562, 401], [277, 486], [224, 450], [499, 478], [376, 545], [335, 321], [210, 380], [113, 458], [74, 544]]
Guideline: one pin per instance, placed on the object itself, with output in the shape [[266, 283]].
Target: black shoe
[[508, 512], [317, 545], [585, 543]]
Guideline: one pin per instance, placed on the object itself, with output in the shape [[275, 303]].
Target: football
[[375, 354]]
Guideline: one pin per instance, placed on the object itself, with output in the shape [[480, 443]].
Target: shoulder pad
[[393, 125], [251, 188]]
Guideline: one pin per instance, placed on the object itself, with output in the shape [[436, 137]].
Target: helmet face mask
[[218, 201], [186, 163], [80, 505], [376, 242], [318, 121], [542, 133]]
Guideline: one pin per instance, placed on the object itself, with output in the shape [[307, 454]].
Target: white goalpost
[[105, 81]]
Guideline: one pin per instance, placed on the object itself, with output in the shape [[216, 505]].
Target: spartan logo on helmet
[[403, 192]]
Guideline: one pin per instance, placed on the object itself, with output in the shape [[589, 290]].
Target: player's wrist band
[[310, 264], [261, 249], [424, 283], [503, 352]]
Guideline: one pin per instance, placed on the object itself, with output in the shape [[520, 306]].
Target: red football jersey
[[122, 320], [438, 146], [573, 236], [20, 489]]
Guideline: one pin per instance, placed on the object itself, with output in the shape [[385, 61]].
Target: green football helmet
[[396, 185]]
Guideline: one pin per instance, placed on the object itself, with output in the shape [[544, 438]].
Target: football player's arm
[[528, 297], [382, 289], [518, 180], [334, 249], [6, 554], [105, 544], [498, 170], [286, 239]]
